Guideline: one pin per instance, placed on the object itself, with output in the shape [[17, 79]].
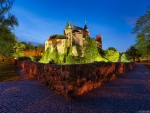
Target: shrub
[[112, 55], [25, 58], [124, 58]]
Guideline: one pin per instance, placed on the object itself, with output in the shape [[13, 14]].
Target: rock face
[[76, 79]]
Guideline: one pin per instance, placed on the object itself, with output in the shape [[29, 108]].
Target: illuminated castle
[[73, 35]]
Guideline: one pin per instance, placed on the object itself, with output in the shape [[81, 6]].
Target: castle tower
[[67, 24], [86, 32], [99, 41], [85, 26], [68, 33]]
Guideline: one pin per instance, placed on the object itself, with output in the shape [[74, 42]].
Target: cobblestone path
[[129, 93]]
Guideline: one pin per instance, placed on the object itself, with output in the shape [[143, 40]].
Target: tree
[[112, 54], [6, 43], [18, 50], [143, 45], [142, 31], [124, 58], [40, 49], [132, 53], [91, 53], [102, 52], [30, 47], [45, 57], [69, 58], [7, 23]]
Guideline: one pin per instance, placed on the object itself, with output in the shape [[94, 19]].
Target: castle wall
[[68, 34], [61, 45], [74, 51], [79, 37], [74, 80], [46, 45]]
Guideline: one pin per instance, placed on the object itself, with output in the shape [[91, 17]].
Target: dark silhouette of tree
[[7, 23], [132, 53], [142, 31]]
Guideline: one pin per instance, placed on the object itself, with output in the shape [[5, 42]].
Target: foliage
[[54, 55], [25, 58], [40, 49], [8, 20], [101, 52], [124, 58], [86, 54], [91, 53], [70, 59], [6, 43], [7, 23], [18, 50], [132, 53], [24, 44], [32, 58], [45, 57], [61, 58], [30, 47], [142, 31], [143, 45], [112, 55], [79, 50], [50, 56], [8, 72]]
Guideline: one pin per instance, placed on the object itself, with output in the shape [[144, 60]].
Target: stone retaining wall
[[74, 80]]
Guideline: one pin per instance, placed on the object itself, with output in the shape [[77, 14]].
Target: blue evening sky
[[113, 19]]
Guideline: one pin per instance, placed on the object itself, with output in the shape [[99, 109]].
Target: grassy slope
[[8, 72]]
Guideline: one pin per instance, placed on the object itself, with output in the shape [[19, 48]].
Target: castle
[[73, 35]]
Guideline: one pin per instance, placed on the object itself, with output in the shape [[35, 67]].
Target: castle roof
[[56, 36], [78, 28], [67, 24], [85, 27], [75, 30]]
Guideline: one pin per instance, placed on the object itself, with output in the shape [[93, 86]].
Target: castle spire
[[73, 25], [85, 20], [85, 26], [67, 24]]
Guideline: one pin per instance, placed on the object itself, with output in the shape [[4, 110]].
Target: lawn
[[147, 64], [8, 72]]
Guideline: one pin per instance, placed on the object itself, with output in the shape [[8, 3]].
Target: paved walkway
[[129, 93]]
